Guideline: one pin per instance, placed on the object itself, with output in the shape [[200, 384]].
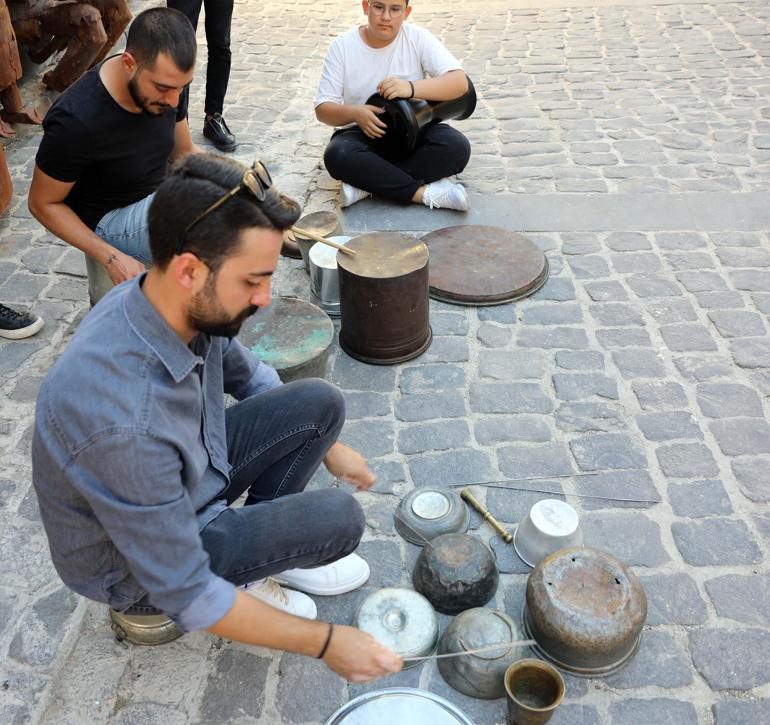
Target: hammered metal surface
[[480, 675], [456, 572], [400, 619], [585, 610], [483, 265], [425, 513], [383, 255], [291, 335]]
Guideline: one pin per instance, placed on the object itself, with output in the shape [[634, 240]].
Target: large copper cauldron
[[407, 119]]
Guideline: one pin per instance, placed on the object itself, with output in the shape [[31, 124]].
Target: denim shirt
[[129, 457]]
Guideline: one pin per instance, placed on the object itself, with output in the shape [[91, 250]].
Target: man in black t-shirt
[[107, 141]]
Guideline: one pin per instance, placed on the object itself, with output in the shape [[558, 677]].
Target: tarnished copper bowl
[[482, 674], [585, 610], [456, 572], [143, 629]]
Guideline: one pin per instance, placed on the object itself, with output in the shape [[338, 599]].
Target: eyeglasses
[[379, 9], [256, 179]]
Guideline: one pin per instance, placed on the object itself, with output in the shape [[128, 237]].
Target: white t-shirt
[[353, 70]]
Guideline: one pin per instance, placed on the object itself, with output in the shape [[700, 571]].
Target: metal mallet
[[469, 498]]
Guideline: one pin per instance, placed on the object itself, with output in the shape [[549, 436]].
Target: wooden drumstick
[[318, 238], [467, 496]]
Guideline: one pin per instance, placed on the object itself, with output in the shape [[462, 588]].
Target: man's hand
[[358, 657], [121, 267], [392, 88], [349, 465], [366, 119]]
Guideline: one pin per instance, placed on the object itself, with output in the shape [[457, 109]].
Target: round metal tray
[[399, 706], [427, 512]]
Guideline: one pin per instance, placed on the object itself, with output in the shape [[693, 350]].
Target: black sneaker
[[215, 130], [16, 325]]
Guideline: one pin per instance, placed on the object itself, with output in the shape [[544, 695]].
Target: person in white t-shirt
[[396, 60]]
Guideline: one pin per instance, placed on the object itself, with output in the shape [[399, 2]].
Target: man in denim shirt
[[136, 461]]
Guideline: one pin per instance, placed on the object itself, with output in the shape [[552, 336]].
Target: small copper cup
[[535, 689]]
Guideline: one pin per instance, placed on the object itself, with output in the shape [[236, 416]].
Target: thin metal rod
[[411, 528], [328, 242], [478, 650], [502, 484]]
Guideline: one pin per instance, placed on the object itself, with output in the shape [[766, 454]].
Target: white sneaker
[[343, 575], [270, 592], [349, 195], [443, 194]]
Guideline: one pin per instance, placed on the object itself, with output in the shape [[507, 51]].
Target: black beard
[[141, 101], [219, 327]]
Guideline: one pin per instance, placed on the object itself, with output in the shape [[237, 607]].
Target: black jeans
[[275, 442], [219, 14], [351, 157]]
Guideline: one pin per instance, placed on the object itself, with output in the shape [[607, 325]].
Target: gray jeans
[[275, 442]]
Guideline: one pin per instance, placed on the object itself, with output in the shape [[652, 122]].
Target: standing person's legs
[[190, 8], [219, 14], [276, 441]]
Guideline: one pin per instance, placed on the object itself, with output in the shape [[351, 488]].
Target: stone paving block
[[745, 599], [579, 360], [445, 349], [650, 285], [673, 599], [351, 374], [751, 353], [585, 417], [366, 405], [737, 323], [762, 302], [655, 394], [741, 436], [636, 486], [660, 662], [371, 438], [378, 510], [728, 400], [14, 353], [149, 713], [703, 367], [680, 240], [298, 700], [553, 337], [235, 685], [623, 337], [493, 335], [574, 714], [627, 241], [669, 310], [639, 363], [668, 426], [602, 451], [611, 291], [506, 429], [462, 466], [752, 478], [526, 461], [552, 314], [686, 460], [609, 531], [751, 280], [702, 281], [742, 712], [634, 263], [513, 365], [690, 260], [503, 314], [578, 386], [719, 300], [508, 561], [433, 437], [590, 266], [699, 499], [430, 378], [731, 659], [559, 289], [448, 323], [616, 314], [22, 288], [687, 338], [657, 711], [715, 542], [427, 406], [509, 398]]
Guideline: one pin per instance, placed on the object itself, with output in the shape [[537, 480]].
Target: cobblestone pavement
[[645, 357]]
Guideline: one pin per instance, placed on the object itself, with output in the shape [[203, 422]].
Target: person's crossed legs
[[126, 229], [352, 157]]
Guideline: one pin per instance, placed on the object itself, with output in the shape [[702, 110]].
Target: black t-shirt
[[115, 157]]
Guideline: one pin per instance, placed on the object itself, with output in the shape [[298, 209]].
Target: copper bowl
[[585, 610]]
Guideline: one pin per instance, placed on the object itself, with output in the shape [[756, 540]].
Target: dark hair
[[162, 30], [193, 186]]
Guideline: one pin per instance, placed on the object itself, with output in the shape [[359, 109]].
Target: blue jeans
[[126, 229], [275, 442]]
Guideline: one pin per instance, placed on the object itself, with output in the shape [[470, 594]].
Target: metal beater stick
[[478, 650], [502, 484]]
